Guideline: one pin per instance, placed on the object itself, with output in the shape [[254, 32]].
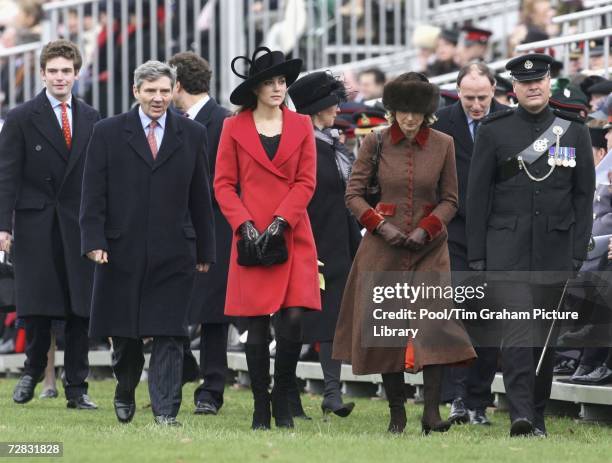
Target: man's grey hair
[[153, 70]]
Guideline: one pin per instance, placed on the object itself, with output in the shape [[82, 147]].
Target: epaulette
[[568, 115], [497, 115]]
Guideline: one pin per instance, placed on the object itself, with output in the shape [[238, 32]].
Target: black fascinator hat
[[317, 91], [270, 64]]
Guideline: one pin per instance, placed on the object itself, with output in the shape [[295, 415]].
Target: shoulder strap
[[539, 147], [376, 156]]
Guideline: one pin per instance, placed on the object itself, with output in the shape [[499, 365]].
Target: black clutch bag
[[244, 257], [372, 193], [276, 253]]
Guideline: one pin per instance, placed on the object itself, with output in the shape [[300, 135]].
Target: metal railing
[[117, 35], [562, 45], [585, 21], [19, 71]]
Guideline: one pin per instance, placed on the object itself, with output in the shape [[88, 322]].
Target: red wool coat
[[284, 187]]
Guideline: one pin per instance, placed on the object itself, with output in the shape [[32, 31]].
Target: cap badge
[[528, 64]]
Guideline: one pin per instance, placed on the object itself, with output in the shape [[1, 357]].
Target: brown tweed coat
[[419, 189]]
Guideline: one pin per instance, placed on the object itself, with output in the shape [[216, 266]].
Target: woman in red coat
[[265, 178]]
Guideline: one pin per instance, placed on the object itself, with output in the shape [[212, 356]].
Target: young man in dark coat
[[469, 389], [146, 220], [208, 299], [530, 206], [42, 153]]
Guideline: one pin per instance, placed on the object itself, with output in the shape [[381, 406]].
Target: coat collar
[[294, 132], [462, 132], [205, 113], [44, 119], [397, 135], [82, 123], [138, 141]]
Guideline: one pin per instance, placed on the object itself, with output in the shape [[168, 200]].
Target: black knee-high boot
[[431, 420], [396, 396], [295, 402], [332, 397], [287, 355], [258, 362]]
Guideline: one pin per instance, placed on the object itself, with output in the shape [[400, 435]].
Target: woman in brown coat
[[406, 233]]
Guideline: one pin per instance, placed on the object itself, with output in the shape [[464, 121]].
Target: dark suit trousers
[[527, 393], [213, 363], [76, 361], [165, 371], [471, 383]]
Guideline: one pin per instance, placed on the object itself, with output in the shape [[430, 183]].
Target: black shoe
[[342, 409], [206, 408], [441, 426], [24, 390], [50, 393], [82, 402], [521, 427], [582, 370], [566, 367], [458, 413], [599, 376], [167, 420], [479, 416], [537, 432], [124, 410]]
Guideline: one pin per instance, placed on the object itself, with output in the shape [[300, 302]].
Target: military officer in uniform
[[529, 209]]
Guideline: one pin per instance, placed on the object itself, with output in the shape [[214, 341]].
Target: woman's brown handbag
[[373, 192]]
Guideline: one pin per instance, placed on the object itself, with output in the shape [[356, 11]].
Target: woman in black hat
[[335, 230], [265, 177]]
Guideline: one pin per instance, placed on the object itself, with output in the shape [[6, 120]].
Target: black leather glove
[[275, 229], [576, 264], [478, 265], [250, 235], [391, 234]]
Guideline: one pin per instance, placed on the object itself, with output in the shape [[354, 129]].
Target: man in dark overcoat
[[469, 389], [530, 206], [42, 154], [207, 305], [146, 220]]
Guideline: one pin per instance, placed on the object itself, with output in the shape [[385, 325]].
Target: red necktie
[[151, 138], [66, 126]]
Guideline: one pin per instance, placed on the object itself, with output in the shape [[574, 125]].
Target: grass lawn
[[96, 436]]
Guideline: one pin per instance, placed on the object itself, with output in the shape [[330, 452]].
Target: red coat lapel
[[293, 134], [245, 133]]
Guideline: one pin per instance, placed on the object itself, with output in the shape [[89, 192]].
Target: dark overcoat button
[[38, 148]]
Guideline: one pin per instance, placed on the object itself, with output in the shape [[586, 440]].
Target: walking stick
[[550, 331]]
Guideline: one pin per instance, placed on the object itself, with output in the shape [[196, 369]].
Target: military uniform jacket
[[40, 194], [521, 224]]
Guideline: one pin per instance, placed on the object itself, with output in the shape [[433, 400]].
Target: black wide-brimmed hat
[[270, 64], [316, 91], [411, 92]]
